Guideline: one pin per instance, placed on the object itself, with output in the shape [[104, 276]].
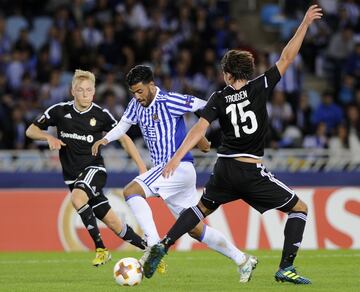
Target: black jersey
[[79, 131], [242, 115]]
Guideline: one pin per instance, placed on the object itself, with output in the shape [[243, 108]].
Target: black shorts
[[251, 182], [92, 181]]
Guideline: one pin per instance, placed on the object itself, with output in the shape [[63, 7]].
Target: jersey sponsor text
[[87, 138]]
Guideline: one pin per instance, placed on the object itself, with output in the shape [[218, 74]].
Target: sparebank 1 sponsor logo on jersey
[[87, 138]]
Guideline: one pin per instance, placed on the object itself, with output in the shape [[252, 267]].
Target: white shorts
[[178, 191]]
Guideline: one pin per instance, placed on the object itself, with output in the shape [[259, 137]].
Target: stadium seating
[[38, 34], [271, 17], [14, 24]]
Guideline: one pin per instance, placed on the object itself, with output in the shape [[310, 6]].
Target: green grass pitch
[[330, 270]]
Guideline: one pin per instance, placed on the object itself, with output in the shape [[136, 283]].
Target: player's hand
[[314, 12], [55, 143], [170, 167], [204, 145], [96, 146]]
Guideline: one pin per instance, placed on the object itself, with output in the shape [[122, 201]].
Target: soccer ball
[[128, 272]]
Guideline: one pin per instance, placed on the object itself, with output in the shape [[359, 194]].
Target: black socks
[[293, 233], [89, 220], [129, 235], [185, 223]]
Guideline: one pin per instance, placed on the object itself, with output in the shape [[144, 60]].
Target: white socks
[[211, 237], [217, 241], [144, 217]]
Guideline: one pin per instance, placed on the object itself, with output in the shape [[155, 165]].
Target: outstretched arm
[[35, 133], [191, 139], [130, 148], [292, 48]]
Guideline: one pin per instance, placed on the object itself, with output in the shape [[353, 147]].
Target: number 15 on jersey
[[244, 116]]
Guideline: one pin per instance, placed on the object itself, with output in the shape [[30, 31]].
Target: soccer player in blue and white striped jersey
[[160, 116]]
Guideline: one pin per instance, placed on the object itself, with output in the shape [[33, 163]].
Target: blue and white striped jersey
[[162, 123]]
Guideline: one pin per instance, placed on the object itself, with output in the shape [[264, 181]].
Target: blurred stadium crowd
[[43, 42]]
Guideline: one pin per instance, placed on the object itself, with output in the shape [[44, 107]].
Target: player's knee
[[126, 191], [196, 233], [101, 211], [300, 207], [207, 206], [131, 189], [79, 198]]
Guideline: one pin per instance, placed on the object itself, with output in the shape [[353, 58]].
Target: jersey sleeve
[[120, 129], [110, 121], [48, 118], [179, 104], [130, 114], [271, 77], [211, 110], [267, 81]]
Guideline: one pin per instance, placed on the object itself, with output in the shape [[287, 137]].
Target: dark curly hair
[[139, 73], [240, 64]]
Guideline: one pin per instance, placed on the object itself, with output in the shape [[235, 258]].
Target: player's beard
[[149, 99]]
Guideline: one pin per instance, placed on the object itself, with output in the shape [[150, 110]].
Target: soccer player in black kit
[[79, 124], [239, 172]]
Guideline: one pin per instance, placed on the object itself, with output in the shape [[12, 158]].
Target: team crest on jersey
[[155, 118], [93, 122]]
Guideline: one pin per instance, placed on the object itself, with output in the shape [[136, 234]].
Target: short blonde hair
[[80, 75]]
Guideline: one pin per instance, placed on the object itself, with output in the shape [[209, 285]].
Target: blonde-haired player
[[79, 124]]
